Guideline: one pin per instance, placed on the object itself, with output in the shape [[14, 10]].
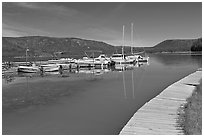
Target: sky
[[103, 21]]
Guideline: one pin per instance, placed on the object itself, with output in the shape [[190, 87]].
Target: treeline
[[171, 46], [197, 45], [41, 46], [176, 45]]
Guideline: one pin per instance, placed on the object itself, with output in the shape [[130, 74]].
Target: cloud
[[10, 31], [47, 7], [18, 31], [28, 5]]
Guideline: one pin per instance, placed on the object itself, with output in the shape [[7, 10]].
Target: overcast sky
[[153, 22]]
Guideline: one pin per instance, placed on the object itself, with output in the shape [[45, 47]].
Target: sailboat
[[121, 58], [137, 55], [132, 55]]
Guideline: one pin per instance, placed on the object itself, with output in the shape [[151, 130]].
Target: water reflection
[[21, 74], [125, 67], [128, 79], [133, 85], [169, 59], [28, 89], [124, 88], [93, 71]]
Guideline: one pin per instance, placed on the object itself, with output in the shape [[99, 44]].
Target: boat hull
[[50, 68], [26, 69], [143, 59], [123, 61]]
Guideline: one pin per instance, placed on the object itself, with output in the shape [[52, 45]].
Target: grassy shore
[[191, 118]]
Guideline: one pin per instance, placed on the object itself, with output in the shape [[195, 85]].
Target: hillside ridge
[[47, 46]]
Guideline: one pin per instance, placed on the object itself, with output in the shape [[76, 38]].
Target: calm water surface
[[89, 104]]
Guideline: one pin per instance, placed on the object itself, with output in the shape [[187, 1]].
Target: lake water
[[88, 104]]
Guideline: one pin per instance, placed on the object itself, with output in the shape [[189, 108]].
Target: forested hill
[[176, 45], [75, 47], [48, 46]]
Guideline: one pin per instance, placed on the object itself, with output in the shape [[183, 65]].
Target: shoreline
[[179, 53], [45, 58], [160, 115]]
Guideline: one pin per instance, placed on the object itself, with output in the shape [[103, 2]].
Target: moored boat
[[28, 69], [50, 67], [142, 59], [137, 56], [101, 61], [62, 60], [122, 59]]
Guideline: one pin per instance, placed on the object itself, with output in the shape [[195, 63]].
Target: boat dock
[[159, 116]]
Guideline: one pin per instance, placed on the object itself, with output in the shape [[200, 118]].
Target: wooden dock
[[159, 115]]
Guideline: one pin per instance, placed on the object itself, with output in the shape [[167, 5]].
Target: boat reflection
[[21, 74], [8, 78], [129, 67], [133, 85], [124, 67], [93, 71], [124, 86]]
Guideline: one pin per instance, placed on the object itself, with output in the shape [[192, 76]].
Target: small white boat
[[62, 60], [132, 57], [122, 59], [50, 67], [103, 58], [85, 62], [91, 62], [27, 69], [142, 59], [138, 58]]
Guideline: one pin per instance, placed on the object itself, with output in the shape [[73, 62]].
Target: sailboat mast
[[131, 38], [123, 41], [27, 49]]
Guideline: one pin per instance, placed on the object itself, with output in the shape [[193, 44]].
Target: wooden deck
[[159, 115]]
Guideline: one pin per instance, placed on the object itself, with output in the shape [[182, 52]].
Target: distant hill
[[47, 46], [177, 45], [41, 46]]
